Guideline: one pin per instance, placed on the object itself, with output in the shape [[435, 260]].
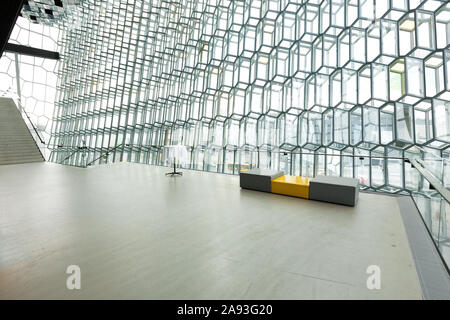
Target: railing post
[[19, 92]]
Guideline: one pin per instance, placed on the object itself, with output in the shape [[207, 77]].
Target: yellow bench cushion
[[291, 186]]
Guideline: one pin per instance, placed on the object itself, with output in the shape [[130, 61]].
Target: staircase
[[17, 145]]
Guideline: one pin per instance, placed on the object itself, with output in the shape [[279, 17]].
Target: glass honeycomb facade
[[339, 87]]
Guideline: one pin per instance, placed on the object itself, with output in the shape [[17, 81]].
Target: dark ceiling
[[9, 11]]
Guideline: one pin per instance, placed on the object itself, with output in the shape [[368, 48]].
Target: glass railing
[[431, 195], [439, 167], [32, 128], [103, 156], [374, 170], [432, 199], [70, 157], [84, 157]]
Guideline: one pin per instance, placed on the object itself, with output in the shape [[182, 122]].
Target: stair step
[[21, 144], [17, 149], [18, 154], [19, 135], [16, 138], [36, 157], [23, 151], [11, 125], [17, 142], [14, 142], [20, 161]]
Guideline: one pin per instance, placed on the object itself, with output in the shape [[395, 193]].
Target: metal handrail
[[103, 155], [22, 109], [70, 155], [360, 156], [434, 182], [35, 129]]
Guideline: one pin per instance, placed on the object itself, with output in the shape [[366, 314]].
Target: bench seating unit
[[338, 190], [291, 186], [258, 179]]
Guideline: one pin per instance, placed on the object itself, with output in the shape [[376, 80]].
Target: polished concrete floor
[[137, 234]]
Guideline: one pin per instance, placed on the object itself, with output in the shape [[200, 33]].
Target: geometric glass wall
[[301, 86]]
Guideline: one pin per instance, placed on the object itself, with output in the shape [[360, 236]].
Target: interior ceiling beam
[[30, 51], [9, 11]]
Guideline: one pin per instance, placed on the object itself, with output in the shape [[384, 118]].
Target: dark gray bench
[[338, 190], [258, 179]]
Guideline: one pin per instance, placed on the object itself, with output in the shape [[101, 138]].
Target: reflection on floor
[[137, 234]]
